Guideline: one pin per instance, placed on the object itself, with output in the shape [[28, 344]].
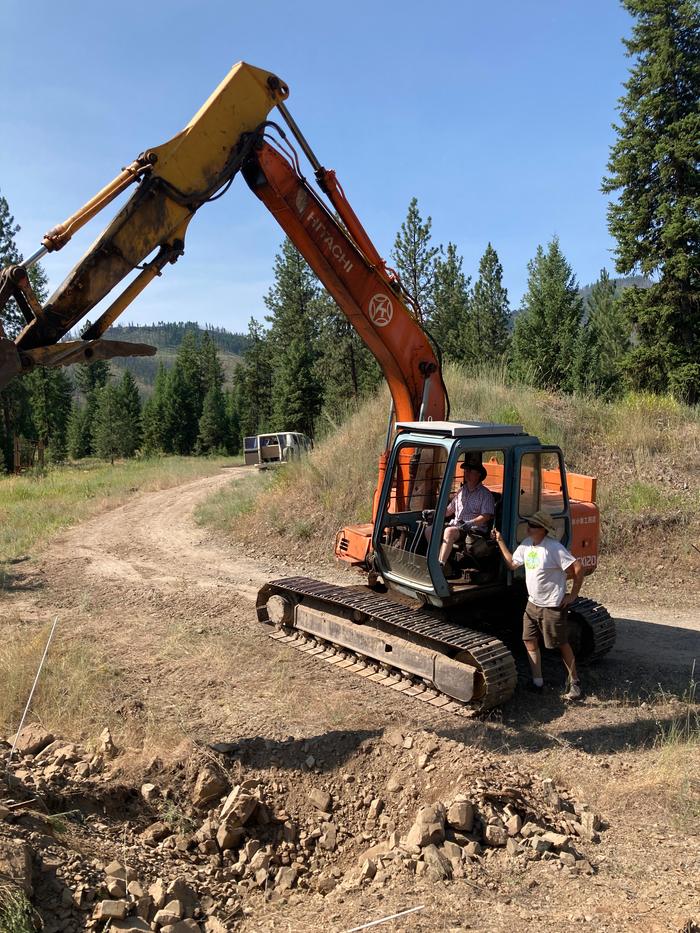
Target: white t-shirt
[[545, 570]]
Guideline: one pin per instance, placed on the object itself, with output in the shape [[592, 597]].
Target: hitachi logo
[[336, 251]]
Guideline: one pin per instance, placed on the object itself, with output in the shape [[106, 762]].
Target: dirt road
[[168, 610]]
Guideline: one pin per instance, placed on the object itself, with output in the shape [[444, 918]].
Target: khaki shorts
[[550, 623]]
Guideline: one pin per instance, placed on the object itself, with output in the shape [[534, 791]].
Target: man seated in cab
[[470, 511]]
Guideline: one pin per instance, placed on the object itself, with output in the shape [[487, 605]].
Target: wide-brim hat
[[544, 520], [475, 466]]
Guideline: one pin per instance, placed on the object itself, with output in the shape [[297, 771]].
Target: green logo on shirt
[[532, 559]]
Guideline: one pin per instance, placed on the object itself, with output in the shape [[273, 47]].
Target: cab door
[[540, 477]]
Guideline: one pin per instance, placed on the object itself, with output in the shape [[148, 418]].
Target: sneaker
[[574, 692], [532, 687]]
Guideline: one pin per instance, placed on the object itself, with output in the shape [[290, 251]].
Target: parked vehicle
[[267, 450]]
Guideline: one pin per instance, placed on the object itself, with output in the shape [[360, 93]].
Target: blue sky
[[496, 116]]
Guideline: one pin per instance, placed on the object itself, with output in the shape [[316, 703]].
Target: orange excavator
[[439, 633]]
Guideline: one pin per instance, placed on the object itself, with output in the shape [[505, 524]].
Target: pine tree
[[489, 316], [346, 370], [79, 433], [108, 423], [296, 396], [50, 392], [415, 258], [213, 425], [252, 383], [234, 435], [12, 320], [604, 340], [212, 372], [153, 416], [546, 331], [130, 400], [449, 324], [654, 166], [89, 379]]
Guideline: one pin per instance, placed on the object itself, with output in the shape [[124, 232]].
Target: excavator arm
[[371, 300], [173, 181]]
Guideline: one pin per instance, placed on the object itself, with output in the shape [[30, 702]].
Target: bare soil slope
[[168, 611]]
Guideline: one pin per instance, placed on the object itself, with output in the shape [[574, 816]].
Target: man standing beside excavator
[[548, 565]]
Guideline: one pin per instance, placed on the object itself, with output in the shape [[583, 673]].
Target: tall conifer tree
[[546, 333], [415, 258], [489, 316], [449, 323], [654, 167], [296, 395]]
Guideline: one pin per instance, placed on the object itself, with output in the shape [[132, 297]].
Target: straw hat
[[544, 520]]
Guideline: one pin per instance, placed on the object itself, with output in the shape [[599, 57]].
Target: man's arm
[[505, 553], [574, 572]]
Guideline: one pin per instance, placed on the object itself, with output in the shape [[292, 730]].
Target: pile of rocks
[[193, 847]]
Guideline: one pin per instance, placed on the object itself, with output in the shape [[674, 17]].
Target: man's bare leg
[[450, 537], [533, 655]]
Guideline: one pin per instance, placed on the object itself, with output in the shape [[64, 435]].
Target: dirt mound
[[197, 844]]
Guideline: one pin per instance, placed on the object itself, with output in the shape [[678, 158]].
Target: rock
[[286, 878], [4, 812], [111, 909], [513, 847], [429, 826], [551, 795], [394, 738], [209, 786], [375, 808], [589, 824], [31, 740], [473, 849], [130, 925], [155, 833], [261, 859], [145, 907], [229, 835], [157, 892], [106, 744], [395, 783], [539, 844], [529, 829], [116, 870], [321, 799], [496, 835], [238, 807], [452, 851], [557, 840], [16, 863], [180, 891], [439, 866], [461, 815], [135, 889], [369, 869], [326, 883], [514, 824], [329, 838], [567, 858], [183, 926], [116, 888], [171, 913], [149, 792]]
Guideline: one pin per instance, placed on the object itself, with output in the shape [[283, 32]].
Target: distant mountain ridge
[[621, 283], [167, 337]]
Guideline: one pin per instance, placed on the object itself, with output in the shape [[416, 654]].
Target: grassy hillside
[[644, 449], [167, 338]]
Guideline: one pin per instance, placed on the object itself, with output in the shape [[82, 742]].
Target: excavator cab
[[424, 473]]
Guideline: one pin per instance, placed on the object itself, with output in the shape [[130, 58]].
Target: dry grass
[[644, 450], [70, 696], [35, 506]]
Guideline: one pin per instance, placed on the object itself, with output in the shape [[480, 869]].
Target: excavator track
[[597, 635], [488, 658]]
